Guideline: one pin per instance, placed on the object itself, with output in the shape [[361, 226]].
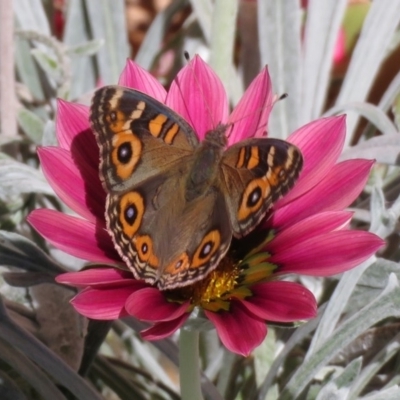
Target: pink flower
[[307, 231]]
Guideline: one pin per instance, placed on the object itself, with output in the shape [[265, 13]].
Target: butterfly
[[174, 203]]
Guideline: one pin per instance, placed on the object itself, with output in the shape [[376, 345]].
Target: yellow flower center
[[214, 291], [232, 279]]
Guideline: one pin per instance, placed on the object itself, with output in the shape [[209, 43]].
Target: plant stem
[[189, 372]]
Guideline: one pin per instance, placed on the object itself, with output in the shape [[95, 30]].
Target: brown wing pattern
[[256, 173], [135, 134]]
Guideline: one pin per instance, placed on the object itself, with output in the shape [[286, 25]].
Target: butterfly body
[[174, 202]]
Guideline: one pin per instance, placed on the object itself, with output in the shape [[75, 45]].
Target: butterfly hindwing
[[164, 239], [256, 173]]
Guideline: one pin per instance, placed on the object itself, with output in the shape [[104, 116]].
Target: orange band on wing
[[117, 121], [207, 248], [254, 158], [170, 135], [181, 263], [145, 251], [131, 210], [253, 197], [156, 124], [126, 153]]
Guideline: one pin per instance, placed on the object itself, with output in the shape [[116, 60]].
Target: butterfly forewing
[[137, 135]]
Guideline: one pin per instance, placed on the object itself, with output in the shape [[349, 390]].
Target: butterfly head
[[217, 137]]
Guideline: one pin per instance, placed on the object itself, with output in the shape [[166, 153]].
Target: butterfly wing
[[146, 153], [138, 136], [164, 239], [256, 173]]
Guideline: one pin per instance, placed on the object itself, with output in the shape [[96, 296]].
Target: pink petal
[[97, 277], [135, 77], [150, 304], [69, 185], [239, 331], [161, 330], [197, 94], [75, 236], [321, 143], [105, 304], [308, 228], [337, 190], [328, 254], [339, 53], [281, 301], [72, 118], [250, 116], [74, 134]]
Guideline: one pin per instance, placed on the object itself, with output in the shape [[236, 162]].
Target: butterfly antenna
[[259, 112]]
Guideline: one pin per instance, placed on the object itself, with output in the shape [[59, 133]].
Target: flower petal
[[85, 196], [239, 331], [150, 304], [136, 77], [308, 228], [75, 236], [197, 94], [98, 277], [250, 116], [321, 143], [74, 134], [161, 330], [105, 304], [281, 301], [337, 190], [328, 254]]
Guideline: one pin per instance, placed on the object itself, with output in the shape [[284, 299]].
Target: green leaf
[[154, 39], [107, 22], [390, 95], [378, 208], [371, 283], [203, 10], [385, 149], [27, 69], [389, 350], [10, 389], [37, 352], [385, 306], [279, 29], [375, 38], [83, 78], [264, 356], [18, 251], [396, 111], [371, 112], [31, 124], [297, 337], [223, 32], [323, 21], [392, 393], [336, 305], [31, 15], [49, 137], [339, 387], [30, 372], [48, 63], [17, 178], [88, 48]]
